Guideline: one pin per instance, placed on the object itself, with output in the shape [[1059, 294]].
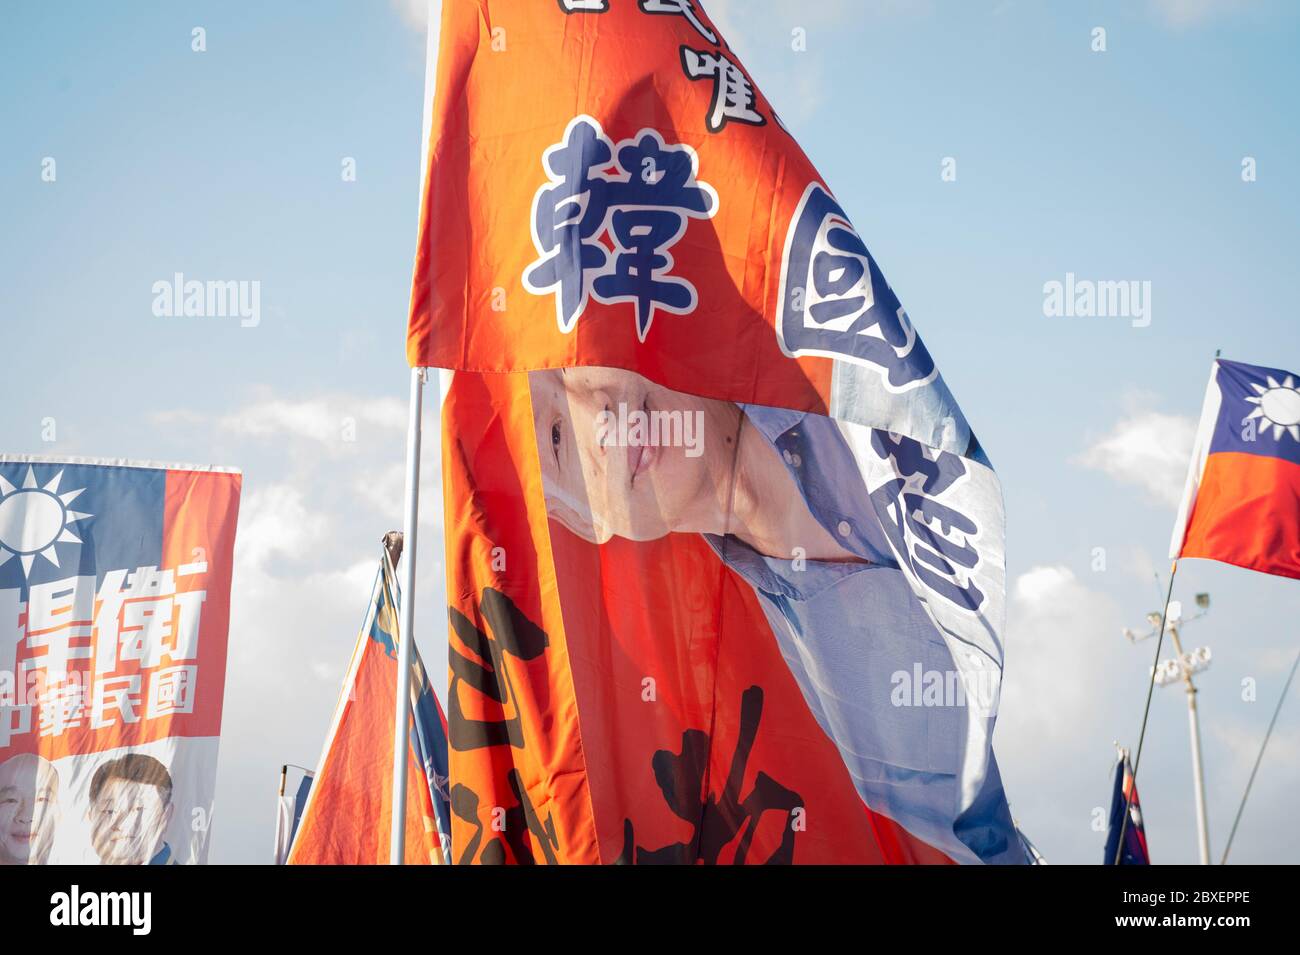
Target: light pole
[[1181, 668]]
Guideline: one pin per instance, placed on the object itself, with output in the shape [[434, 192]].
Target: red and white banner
[[114, 610]]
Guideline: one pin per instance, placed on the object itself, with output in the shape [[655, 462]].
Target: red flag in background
[[349, 807]]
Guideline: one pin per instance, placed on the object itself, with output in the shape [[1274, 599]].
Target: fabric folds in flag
[[725, 560], [348, 813], [1241, 503], [1031, 851], [1135, 836]]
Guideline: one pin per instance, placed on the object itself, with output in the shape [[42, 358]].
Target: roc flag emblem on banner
[[349, 805], [114, 611], [724, 557], [1241, 504]]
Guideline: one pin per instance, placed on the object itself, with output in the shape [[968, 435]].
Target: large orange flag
[[724, 558]]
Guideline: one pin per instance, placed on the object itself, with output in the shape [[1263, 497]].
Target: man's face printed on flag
[[29, 795], [127, 821], [622, 456]]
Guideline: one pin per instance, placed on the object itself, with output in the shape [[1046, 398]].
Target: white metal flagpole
[[411, 514], [406, 620], [1198, 771]]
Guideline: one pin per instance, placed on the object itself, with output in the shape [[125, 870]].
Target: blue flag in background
[[1135, 836]]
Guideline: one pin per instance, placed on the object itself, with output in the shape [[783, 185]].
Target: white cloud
[[307, 549], [732, 16], [414, 13], [1276, 659], [274, 521], [291, 637], [1061, 705], [760, 31], [284, 623], [1148, 449], [1073, 684], [335, 421], [326, 420], [306, 419], [383, 487], [1187, 13], [1264, 835], [1136, 560], [1057, 631], [1241, 743], [330, 673]]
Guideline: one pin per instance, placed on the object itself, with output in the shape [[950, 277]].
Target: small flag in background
[[289, 810], [1241, 504], [1031, 851], [1135, 836], [347, 818]]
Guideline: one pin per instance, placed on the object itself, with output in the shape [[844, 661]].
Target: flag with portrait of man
[[725, 560], [114, 612]]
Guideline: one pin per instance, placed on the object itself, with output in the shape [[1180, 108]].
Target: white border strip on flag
[[1196, 467], [114, 463]]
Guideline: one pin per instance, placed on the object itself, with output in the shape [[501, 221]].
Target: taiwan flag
[[1135, 836], [114, 615], [1241, 504]]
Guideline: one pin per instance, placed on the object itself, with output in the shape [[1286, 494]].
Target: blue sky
[[1115, 165]]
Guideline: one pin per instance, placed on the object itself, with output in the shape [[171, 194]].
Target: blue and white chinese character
[[640, 268], [933, 538], [836, 303], [605, 222]]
